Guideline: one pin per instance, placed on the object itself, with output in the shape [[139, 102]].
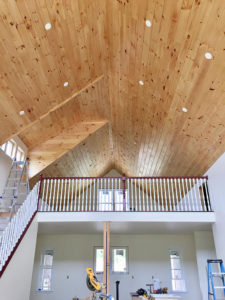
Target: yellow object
[[93, 280]]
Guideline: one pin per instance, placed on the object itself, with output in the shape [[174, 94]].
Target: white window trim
[[182, 271], [94, 264], [111, 259], [127, 259], [113, 203], [15, 149], [41, 267]]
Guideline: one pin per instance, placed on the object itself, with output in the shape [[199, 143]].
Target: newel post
[[124, 192]]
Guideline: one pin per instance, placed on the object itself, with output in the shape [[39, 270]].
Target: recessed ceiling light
[[184, 109], [48, 26], [141, 82], [148, 23], [22, 112], [66, 83], [208, 55]]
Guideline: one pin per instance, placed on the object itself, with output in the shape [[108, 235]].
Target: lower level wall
[[205, 249], [16, 280], [148, 256]]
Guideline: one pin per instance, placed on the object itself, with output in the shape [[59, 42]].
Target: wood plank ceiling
[[103, 49]]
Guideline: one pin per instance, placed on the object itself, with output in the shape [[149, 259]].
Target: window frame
[[94, 264], [112, 259], [42, 267], [181, 270], [14, 150], [113, 204]]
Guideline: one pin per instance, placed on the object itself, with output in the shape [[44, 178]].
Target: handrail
[[148, 194], [17, 227]]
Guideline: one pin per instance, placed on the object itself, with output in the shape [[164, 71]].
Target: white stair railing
[[17, 226]]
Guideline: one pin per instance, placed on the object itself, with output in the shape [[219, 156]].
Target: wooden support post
[[106, 243]]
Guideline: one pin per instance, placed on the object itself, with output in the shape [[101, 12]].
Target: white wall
[[205, 249], [217, 192], [16, 280], [148, 255], [5, 165]]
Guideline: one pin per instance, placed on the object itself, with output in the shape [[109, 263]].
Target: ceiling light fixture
[[184, 109], [22, 112], [208, 55], [48, 26], [66, 83], [141, 82], [148, 23]]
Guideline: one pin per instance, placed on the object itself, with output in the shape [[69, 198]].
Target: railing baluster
[[203, 195], [161, 193], [72, 200], [54, 196], [86, 194], [135, 190], [132, 194], [187, 195], [185, 205], [143, 196], [139, 194], [43, 195], [169, 195], [57, 197], [61, 195], [90, 198], [50, 195], [64, 196], [152, 182], [47, 195], [191, 194], [75, 207], [94, 204], [180, 204], [207, 195], [165, 192], [83, 195], [68, 195], [146, 192], [128, 195]]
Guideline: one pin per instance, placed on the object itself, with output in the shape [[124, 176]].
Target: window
[[45, 281], [99, 259], [13, 150], [119, 257], [111, 200], [178, 282]]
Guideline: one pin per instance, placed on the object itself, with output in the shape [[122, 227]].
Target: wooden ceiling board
[[176, 74], [106, 45], [47, 152], [37, 62], [91, 105], [92, 157]]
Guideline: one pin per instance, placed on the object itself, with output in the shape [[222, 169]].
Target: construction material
[[211, 275], [106, 243]]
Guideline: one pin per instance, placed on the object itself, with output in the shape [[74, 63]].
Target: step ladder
[[212, 275], [15, 191]]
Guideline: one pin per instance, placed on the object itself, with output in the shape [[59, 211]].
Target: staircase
[[14, 193]]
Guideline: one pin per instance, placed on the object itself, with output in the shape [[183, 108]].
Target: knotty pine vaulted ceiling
[[115, 83]]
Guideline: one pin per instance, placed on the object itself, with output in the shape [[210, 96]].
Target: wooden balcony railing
[[124, 194]]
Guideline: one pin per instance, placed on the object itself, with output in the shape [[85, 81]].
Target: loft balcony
[[132, 204], [124, 194], [159, 200]]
